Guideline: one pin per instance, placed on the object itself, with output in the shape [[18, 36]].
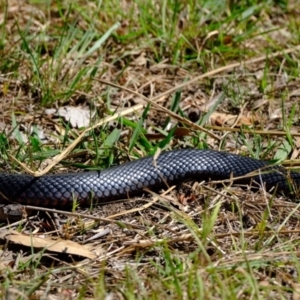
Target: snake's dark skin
[[119, 182]]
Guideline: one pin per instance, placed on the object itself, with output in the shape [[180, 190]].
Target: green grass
[[224, 244]]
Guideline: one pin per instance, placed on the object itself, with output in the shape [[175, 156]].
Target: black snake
[[59, 190]]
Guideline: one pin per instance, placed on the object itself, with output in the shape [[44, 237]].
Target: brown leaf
[[221, 119], [49, 243]]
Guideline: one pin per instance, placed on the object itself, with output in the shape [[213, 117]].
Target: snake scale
[[171, 167]]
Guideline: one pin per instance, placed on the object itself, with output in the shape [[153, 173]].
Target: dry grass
[[229, 75]]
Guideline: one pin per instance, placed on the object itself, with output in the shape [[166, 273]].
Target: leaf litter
[[253, 100]]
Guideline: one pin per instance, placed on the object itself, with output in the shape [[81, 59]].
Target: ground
[[86, 85]]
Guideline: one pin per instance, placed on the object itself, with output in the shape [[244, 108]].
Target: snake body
[[60, 190]]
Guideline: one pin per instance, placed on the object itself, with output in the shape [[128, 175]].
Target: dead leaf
[[184, 199], [49, 243], [78, 116], [3, 266], [221, 119], [140, 60], [259, 103], [276, 114]]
